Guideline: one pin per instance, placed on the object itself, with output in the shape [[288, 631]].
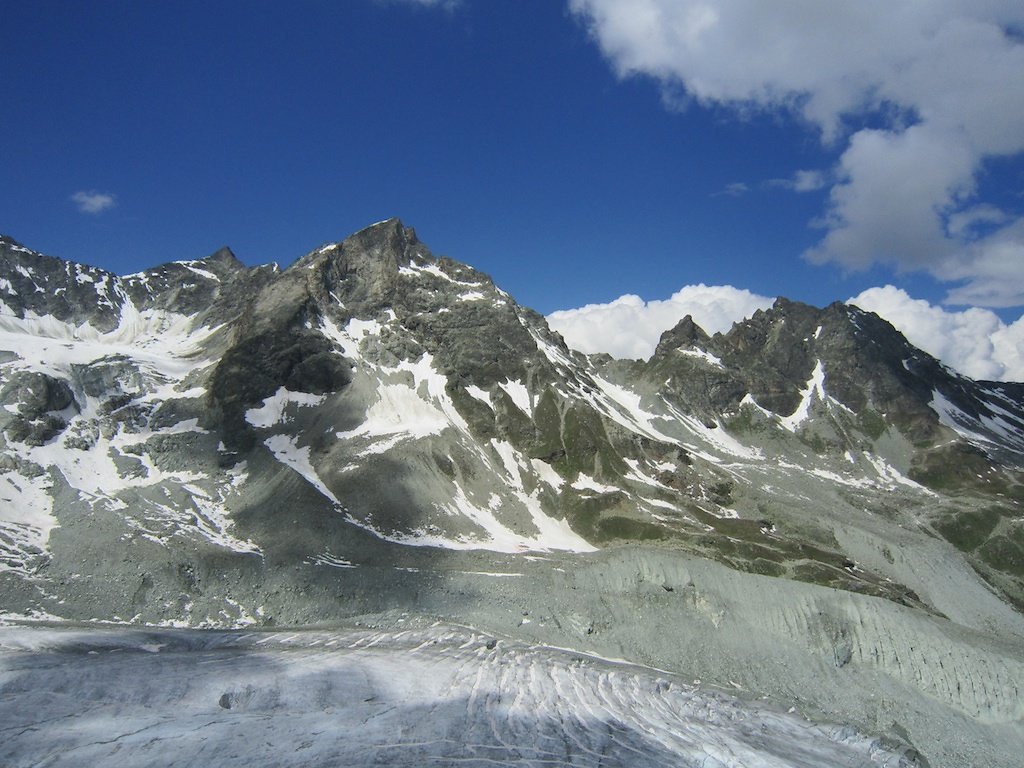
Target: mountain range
[[805, 507]]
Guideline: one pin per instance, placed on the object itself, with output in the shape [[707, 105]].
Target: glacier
[[435, 695]]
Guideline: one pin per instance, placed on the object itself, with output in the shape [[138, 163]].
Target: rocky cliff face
[[375, 429]]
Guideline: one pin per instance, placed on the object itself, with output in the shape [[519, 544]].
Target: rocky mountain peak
[[685, 334], [794, 360], [384, 236], [361, 271], [389, 242], [225, 258]]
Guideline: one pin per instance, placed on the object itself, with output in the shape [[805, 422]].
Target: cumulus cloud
[[938, 83], [93, 201], [975, 342], [630, 327]]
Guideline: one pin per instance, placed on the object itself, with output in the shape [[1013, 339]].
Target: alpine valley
[[369, 510]]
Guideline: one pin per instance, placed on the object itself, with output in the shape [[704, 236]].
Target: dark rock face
[[868, 368], [255, 367], [686, 334], [34, 404]]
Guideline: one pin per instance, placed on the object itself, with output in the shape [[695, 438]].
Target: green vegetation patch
[[547, 423], [605, 518], [1004, 554], [969, 529], [954, 468], [587, 448], [871, 423], [616, 528]]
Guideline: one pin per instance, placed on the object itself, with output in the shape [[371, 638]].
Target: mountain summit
[[376, 430]]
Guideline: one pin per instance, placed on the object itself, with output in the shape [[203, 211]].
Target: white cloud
[[975, 341], [93, 202], [446, 4], [940, 82], [630, 327], [809, 181], [735, 189], [991, 270], [801, 181]]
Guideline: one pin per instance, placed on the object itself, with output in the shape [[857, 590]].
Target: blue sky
[[576, 150]]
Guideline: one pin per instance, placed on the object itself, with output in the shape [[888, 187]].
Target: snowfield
[[431, 696]]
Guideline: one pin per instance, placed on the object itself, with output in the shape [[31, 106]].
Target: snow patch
[[286, 450], [815, 388], [547, 473], [26, 519], [893, 476], [214, 522], [434, 385], [351, 336], [715, 437], [587, 483], [748, 399], [519, 395], [554, 535], [484, 397], [701, 354], [416, 270], [1002, 427], [637, 475], [326, 558], [191, 267], [399, 410], [623, 406], [272, 411], [659, 503]]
